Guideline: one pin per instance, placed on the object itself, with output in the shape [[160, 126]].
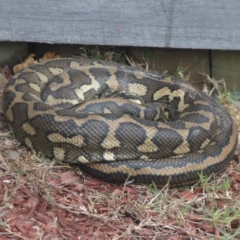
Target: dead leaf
[[187, 195], [42, 218], [217, 233], [236, 186], [221, 204], [195, 217], [6, 72], [49, 55], [191, 228], [235, 176], [206, 227], [68, 177], [130, 190], [27, 62], [117, 191], [174, 238], [235, 223]]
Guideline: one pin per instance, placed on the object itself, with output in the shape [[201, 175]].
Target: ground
[[41, 199]]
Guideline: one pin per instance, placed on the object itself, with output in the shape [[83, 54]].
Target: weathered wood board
[[190, 62], [188, 24], [12, 53], [225, 65]]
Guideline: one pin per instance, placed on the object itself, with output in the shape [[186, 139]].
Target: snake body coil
[[118, 122]]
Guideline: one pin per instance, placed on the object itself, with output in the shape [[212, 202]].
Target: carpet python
[[117, 122]]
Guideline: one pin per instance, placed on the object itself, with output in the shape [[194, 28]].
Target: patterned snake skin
[[117, 122]]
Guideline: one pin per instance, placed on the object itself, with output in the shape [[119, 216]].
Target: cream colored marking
[[35, 87], [167, 79], [106, 110], [135, 101], [166, 115], [53, 101], [66, 81], [86, 87], [82, 159], [110, 141], [179, 93], [139, 75], [42, 77], [137, 89], [167, 92], [201, 102], [160, 93], [113, 83], [35, 97], [28, 142], [108, 156], [59, 153], [78, 122], [144, 157], [160, 114], [28, 129], [112, 70], [58, 138], [142, 115], [212, 144], [183, 148], [147, 147], [74, 64], [205, 143], [55, 71]]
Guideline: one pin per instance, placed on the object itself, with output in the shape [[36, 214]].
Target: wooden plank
[[198, 24], [225, 65], [193, 62], [12, 53], [64, 50]]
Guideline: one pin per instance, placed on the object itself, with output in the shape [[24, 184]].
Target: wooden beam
[[201, 24]]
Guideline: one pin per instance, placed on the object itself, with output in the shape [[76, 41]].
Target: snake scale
[[118, 122]]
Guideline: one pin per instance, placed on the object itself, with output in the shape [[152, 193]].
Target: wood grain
[[198, 24]]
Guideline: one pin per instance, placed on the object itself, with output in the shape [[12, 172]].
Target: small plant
[[181, 73], [219, 86], [115, 54], [204, 181], [147, 55]]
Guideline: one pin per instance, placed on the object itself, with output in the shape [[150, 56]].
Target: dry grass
[[40, 199]]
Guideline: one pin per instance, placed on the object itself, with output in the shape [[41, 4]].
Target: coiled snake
[[118, 122]]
